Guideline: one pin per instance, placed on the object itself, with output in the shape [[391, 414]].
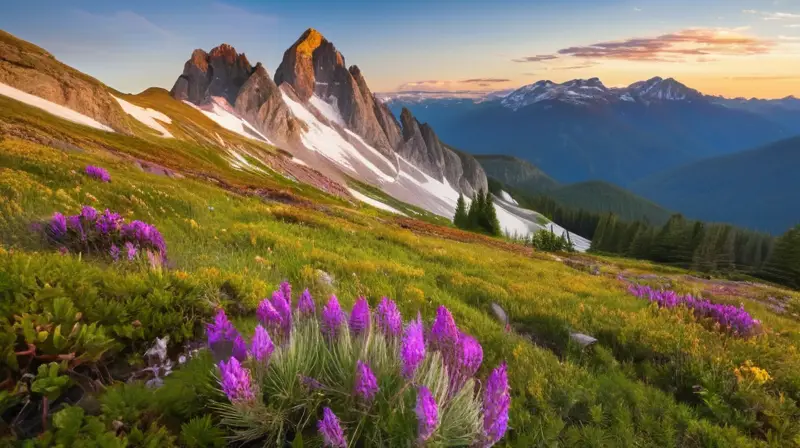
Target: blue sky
[[731, 47]]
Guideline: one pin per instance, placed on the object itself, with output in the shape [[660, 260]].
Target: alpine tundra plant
[[735, 320], [365, 379], [93, 233]]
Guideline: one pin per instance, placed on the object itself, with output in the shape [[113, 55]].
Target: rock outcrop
[[260, 102], [313, 66], [423, 148], [221, 72], [35, 71]]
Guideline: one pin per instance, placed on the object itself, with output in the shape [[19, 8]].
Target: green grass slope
[[757, 189], [601, 197]]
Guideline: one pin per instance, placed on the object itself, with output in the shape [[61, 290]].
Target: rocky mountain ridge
[[314, 73]]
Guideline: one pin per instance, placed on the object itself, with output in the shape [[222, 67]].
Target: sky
[[734, 48]]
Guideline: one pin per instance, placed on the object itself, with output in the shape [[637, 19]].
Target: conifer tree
[[474, 211], [783, 265], [489, 216], [460, 219]]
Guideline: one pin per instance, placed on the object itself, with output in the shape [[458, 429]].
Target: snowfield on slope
[[507, 197], [533, 220], [51, 107], [374, 202], [229, 120], [148, 117]]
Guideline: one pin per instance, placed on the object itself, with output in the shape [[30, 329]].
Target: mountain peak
[[220, 72], [309, 41]]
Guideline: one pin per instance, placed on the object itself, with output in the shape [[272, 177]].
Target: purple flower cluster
[[235, 381], [331, 430], [306, 304], [444, 332], [221, 330], [144, 235], [284, 310], [427, 414], [106, 233], [496, 404], [360, 317], [332, 317], [464, 362], [736, 320], [366, 384], [239, 348], [286, 290], [98, 173], [388, 318], [412, 348], [261, 347]]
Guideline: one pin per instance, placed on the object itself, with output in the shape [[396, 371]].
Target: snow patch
[[51, 107], [299, 162], [328, 110], [507, 197], [374, 202], [147, 116], [230, 121], [330, 144]]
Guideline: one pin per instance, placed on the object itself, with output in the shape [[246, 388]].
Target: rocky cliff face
[[35, 71], [423, 148], [221, 72], [260, 102], [313, 66]]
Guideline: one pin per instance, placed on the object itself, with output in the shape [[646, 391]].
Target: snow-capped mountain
[[593, 92], [577, 91]]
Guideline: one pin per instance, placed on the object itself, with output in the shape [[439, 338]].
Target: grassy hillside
[[656, 377], [516, 173], [601, 197], [755, 189]]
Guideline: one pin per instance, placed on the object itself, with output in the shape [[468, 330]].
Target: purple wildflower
[[332, 317], [98, 173], [108, 222], [427, 413], [235, 381], [283, 308], [366, 384], [145, 235], [389, 320], [130, 250], [261, 347], [286, 290], [268, 315], [58, 226], [496, 403], [63, 250], [221, 330], [114, 252], [359, 316], [412, 348], [331, 430], [239, 348], [88, 213], [464, 361], [444, 332], [306, 304]]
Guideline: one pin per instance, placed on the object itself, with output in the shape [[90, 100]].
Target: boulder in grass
[[584, 340]]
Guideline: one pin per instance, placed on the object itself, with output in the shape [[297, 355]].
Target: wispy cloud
[[766, 15], [793, 25], [675, 47], [537, 58], [637, 9], [764, 78], [485, 80], [574, 67]]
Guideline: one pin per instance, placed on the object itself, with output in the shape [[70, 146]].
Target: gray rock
[[584, 340], [221, 72], [260, 102]]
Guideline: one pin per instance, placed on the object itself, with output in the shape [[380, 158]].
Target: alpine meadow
[[300, 252]]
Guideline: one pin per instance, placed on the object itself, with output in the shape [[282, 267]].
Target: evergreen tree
[[642, 242], [489, 216], [783, 265], [667, 242], [460, 219], [474, 211]]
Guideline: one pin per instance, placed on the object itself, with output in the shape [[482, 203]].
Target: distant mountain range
[[582, 130], [758, 189]]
